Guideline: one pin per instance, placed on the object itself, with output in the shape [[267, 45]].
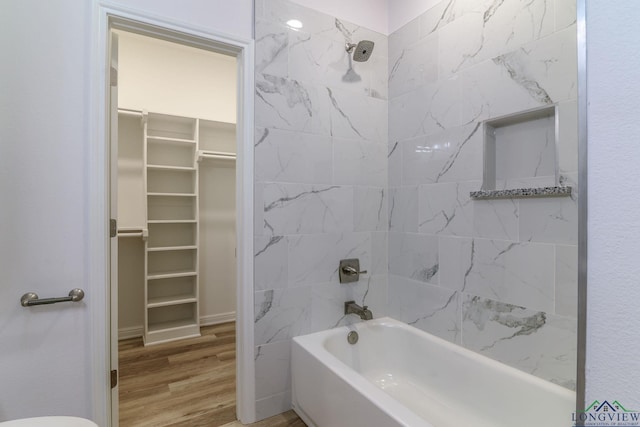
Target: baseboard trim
[[130, 332], [215, 319], [212, 319]]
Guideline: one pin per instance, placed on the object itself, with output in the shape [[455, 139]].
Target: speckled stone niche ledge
[[520, 193]]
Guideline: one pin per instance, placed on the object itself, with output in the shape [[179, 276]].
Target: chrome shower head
[[361, 51]]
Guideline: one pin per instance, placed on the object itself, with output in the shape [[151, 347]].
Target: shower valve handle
[[350, 271]]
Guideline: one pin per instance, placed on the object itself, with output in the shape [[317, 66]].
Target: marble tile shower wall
[[321, 177], [498, 277]]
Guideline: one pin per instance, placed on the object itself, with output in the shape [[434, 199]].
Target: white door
[[46, 358], [113, 203]]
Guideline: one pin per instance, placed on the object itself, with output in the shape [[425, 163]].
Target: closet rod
[[133, 113], [215, 155], [133, 232]]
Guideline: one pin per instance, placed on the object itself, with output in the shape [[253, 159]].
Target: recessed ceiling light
[[294, 23]]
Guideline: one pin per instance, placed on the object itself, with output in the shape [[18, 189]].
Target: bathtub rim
[[314, 345]]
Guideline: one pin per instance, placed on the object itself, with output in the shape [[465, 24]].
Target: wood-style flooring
[[190, 383]]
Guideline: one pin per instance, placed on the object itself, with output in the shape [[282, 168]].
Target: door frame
[[107, 15]]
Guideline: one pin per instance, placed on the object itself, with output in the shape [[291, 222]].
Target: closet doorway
[[173, 189]]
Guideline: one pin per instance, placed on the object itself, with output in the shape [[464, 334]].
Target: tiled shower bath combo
[[376, 160]]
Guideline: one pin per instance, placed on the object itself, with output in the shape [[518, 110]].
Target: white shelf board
[[172, 221], [169, 275], [171, 248], [167, 140], [171, 194], [171, 300], [171, 168]]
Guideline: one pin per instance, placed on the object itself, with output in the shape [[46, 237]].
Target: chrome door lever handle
[[31, 298]]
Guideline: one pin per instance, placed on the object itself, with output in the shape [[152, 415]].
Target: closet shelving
[[160, 166], [171, 250]]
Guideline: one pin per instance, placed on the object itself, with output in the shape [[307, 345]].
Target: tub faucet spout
[[350, 307]]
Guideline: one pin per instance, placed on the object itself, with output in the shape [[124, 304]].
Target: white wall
[[234, 17], [217, 240], [613, 340], [45, 361], [163, 77]]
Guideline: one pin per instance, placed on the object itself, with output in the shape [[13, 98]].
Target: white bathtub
[[397, 375]]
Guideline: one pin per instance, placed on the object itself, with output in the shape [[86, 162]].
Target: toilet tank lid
[[49, 422]]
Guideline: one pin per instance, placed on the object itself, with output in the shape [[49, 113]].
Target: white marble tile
[[567, 280], [315, 258], [414, 256], [566, 13], [379, 252], [379, 78], [461, 44], [516, 273], [302, 209], [318, 23], [394, 163], [355, 33], [549, 62], [446, 209], [270, 263], [459, 8], [408, 34], [272, 48], [273, 368], [281, 314], [567, 144], [285, 156], [497, 219], [259, 226], [328, 300], [500, 27], [426, 307], [447, 156], [403, 209], [456, 256], [287, 104], [426, 110], [323, 60], [359, 162], [406, 114], [437, 17], [361, 117], [549, 220], [540, 73], [273, 405], [415, 65], [539, 343], [491, 92], [370, 209]]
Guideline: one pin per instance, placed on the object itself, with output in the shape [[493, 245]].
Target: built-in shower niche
[[520, 156]]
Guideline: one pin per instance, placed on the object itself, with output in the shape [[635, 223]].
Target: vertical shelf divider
[[171, 291]]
